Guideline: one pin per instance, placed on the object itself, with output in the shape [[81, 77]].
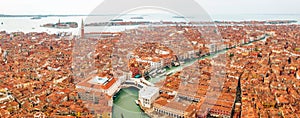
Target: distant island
[[4, 15], [61, 25], [120, 22], [258, 22]]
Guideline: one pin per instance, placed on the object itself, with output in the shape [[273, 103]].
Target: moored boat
[[137, 17], [35, 18]]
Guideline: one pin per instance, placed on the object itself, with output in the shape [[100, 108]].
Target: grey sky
[[211, 6]]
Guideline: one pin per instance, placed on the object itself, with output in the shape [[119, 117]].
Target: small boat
[[35, 18], [164, 74], [178, 16], [153, 75], [116, 20], [169, 73], [181, 62], [136, 102], [1, 23], [137, 18], [147, 77], [138, 76], [176, 64]]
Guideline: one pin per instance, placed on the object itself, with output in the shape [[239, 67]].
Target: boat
[[169, 73], [153, 75], [152, 72], [35, 17], [137, 17], [138, 76], [163, 74], [181, 62], [176, 64], [159, 71], [178, 16], [116, 95], [136, 102], [163, 70], [116, 20], [147, 77], [1, 23]]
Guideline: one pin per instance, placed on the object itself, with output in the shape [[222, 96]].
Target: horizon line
[[1, 14]]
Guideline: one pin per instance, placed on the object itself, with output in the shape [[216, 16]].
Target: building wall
[[147, 102], [153, 65], [168, 111], [111, 90]]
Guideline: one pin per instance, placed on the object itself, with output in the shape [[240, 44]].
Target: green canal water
[[124, 104]]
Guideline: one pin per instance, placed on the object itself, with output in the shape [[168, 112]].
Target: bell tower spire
[[82, 29]]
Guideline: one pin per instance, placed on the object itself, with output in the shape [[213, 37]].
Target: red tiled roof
[[109, 84]]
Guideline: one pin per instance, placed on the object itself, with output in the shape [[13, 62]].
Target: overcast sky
[[211, 6]]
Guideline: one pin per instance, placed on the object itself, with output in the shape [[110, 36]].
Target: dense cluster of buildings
[[36, 76], [54, 76], [261, 78], [269, 83]]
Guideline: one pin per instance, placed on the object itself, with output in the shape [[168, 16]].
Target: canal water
[[179, 68], [125, 106]]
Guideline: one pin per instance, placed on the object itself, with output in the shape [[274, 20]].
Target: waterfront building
[[97, 92], [100, 84], [155, 63], [147, 95], [173, 108], [211, 47]]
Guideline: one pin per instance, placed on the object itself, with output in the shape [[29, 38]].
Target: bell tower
[[82, 29]]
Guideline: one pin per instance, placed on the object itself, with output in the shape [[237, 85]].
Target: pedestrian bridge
[[138, 83]]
